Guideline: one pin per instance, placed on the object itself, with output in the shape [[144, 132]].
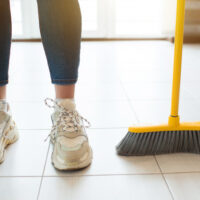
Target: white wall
[[107, 18]]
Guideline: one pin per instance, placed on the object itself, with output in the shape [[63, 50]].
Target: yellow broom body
[[174, 136]]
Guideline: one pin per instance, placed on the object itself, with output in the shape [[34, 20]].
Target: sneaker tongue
[[67, 103], [3, 106]]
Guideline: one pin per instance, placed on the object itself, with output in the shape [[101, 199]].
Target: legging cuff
[[64, 81], [4, 82]]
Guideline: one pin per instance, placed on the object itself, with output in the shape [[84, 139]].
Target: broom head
[[162, 139]]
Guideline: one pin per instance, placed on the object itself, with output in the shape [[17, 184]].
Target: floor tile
[[18, 188], [152, 91], [102, 91], [24, 67], [156, 55], [184, 186], [30, 92], [179, 162], [144, 69], [98, 75], [105, 159], [34, 77], [193, 88], [143, 187], [27, 156], [31, 114], [190, 71], [191, 55], [25, 53], [143, 76], [96, 68], [158, 111], [107, 114], [101, 114]]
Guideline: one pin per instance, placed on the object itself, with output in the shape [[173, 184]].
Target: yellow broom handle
[[177, 57]]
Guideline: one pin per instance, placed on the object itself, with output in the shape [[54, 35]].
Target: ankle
[[2, 92]]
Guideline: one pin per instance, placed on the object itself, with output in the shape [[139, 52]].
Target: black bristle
[[155, 143]]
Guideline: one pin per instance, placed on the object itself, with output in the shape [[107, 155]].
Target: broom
[[174, 136]]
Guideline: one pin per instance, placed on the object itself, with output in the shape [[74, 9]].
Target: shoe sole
[[73, 166], [8, 142]]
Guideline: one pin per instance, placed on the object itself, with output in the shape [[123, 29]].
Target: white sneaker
[[71, 147], [8, 129]]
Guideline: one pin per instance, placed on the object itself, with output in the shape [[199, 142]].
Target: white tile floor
[[131, 83]]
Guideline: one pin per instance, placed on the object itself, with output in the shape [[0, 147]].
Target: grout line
[[100, 175], [122, 127], [39, 188], [189, 172], [85, 100], [129, 174], [89, 175], [43, 172], [35, 129], [164, 179], [129, 102], [20, 176]]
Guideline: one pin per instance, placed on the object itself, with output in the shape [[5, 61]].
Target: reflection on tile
[[141, 76], [179, 162], [105, 159], [108, 91], [152, 91], [109, 72], [184, 186], [18, 188], [105, 187], [31, 114], [157, 111], [27, 156], [29, 92], [107, 114]]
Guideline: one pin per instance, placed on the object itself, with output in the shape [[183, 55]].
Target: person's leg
[[65, 91], [60, 26], [8, 131], [5, 43]]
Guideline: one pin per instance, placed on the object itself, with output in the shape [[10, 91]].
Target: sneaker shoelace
[[3, 126], [2, 134], [1, 131], [68, 120]]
